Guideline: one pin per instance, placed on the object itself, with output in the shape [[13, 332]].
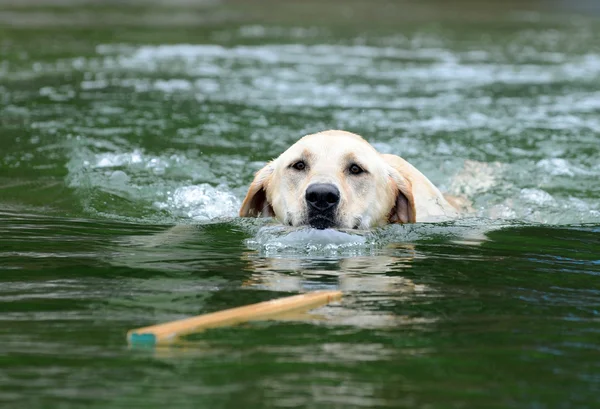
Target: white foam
[[136, 159], [119, 177], [94, 84], [258, 31], [173, 85], [109, 160], [279, 239], [537, 197], [201, 202], [561, 167]]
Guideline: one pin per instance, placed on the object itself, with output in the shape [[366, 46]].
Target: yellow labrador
[[336, 179]]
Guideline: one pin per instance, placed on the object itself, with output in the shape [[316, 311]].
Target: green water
[[118, 122]]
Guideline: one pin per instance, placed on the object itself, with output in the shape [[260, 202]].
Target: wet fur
[[389, 191]]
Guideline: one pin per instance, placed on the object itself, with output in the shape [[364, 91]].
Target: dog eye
[[300, 165], [355, 169]]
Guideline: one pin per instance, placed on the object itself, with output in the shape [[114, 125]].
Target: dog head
[[332, 179]]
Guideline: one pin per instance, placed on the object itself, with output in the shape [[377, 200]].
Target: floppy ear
[[255, 204], [403, 209]]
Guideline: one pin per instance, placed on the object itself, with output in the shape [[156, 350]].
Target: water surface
[[119, 122]]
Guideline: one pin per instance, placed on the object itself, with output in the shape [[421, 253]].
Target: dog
[[336, 179]]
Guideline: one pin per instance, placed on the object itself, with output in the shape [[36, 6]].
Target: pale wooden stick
[[169, 332]]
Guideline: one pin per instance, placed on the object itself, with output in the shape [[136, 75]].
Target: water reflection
[[357, 273], [370, 275]]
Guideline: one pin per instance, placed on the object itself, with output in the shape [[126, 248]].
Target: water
[[119, 122]]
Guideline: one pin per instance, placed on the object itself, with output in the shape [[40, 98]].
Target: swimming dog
[[336, 179]]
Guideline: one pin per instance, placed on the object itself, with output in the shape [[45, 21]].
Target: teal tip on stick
[[142, 339]]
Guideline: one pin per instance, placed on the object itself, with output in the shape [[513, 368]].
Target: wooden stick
[[169, 332]]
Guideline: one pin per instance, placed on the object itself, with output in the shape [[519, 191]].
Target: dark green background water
[[120, 119]]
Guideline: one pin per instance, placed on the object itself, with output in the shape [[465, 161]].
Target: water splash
[[275, 240], [201, 203], [278, 239]]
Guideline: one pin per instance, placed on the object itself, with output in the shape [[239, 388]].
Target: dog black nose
[[322, 196]]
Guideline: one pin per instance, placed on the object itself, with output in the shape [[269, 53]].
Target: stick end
[[135, 338]]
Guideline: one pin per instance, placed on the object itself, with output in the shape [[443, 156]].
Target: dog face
[[332, 179]]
